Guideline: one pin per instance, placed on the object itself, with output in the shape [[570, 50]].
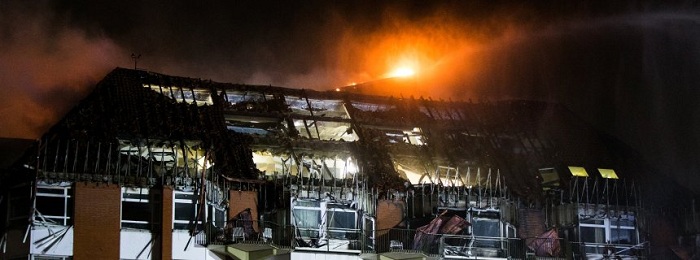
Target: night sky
[[630, 69]]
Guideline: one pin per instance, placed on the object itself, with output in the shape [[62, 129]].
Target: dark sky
[[630, 68]]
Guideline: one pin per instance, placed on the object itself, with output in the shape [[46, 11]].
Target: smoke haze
[[44, 69]]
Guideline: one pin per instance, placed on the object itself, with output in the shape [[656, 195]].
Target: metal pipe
[[108, 166], [138, 149], [65, 158], [97, 161], [75, 155], [87, 157], [55, 159]]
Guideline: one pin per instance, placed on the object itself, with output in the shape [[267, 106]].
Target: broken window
[[185, 206], [199, 96], [54, 205], [136, 210]]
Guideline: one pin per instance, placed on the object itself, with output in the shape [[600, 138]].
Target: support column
[[97, 221], [163, 247]]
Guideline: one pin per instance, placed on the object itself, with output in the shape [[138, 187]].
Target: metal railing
[[394, 239], [467, 246], [210, 235], [276, 234], [470, 246], [249, 231], [332, 239], [625, 251]]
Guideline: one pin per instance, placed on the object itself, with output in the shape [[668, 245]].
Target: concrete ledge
[[244, 251]]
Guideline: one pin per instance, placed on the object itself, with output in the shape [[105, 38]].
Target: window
[[307, 218], [608, 230], [486, 227], [185, 206], [622, 231], [47, 257], [217, 215], [316, 219], [54, 205], [342, 222], [591, 234], [136, 210]]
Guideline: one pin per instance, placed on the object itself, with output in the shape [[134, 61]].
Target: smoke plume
[[45, 67]]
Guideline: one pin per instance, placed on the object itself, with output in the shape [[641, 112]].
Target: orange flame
[[402, 72]]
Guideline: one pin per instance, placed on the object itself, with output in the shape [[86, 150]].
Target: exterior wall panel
[[241, 200]]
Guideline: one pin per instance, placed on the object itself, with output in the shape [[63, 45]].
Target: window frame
[[325, 211], [609, 228], [330, 213], [66, 195], [177, 224], [135, 224]]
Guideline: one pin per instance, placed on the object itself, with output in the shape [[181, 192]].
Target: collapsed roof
[[393, 140]]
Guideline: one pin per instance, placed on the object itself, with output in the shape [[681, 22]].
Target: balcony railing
[[395, 239], [405, 240], [333, 239], [623, 251], [466, 246], [250, 231]]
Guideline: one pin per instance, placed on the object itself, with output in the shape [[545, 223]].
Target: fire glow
[[402, 72]]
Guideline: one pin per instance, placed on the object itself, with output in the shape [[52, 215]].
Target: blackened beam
[[243, 180], [311, 111], [251, 115]]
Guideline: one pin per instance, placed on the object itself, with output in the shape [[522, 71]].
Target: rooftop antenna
[[136, 58]]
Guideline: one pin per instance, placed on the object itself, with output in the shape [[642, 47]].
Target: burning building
[[154, 166]]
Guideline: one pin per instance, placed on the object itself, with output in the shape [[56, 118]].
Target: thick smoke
[[44, 69]]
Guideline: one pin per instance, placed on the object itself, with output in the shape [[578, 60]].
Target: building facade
[[151, 166]]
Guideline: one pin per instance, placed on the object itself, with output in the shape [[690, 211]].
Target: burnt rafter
[[121, 108], [161, 126]]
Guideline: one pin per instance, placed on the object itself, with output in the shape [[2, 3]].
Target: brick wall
[[97, 217], [240, 200], [531, 223]]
